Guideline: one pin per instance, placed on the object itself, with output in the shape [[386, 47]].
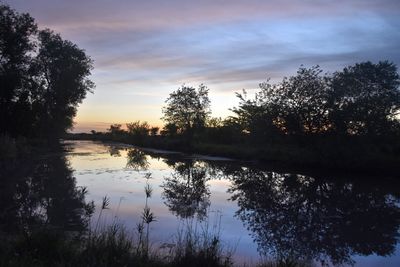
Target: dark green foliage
[[43, 78]]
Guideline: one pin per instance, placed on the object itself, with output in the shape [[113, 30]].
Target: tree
[[115, 129], [60, 81], [188, 109], [302, 101], [297, 105], [255, 117], [43, 78], [215, 122], [16, 43], [154, 131], [169, 129], [138, 129], [365, 98]]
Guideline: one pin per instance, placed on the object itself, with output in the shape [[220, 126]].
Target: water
[[322, 217], [183, 189]]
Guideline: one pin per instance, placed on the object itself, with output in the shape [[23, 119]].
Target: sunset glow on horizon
[[144, 50]]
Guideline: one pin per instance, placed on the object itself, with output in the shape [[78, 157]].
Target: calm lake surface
[[323, 218], [256, 211]]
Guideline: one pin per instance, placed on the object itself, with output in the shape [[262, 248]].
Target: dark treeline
[[43, 78], [346, 119], [361, 100]]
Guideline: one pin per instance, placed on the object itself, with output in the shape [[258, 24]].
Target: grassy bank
[[114, 246], [110, 246], [354, 154]]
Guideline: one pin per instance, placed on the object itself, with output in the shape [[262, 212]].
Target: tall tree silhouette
[[42, 81], [188, 109], [365, 99], [16, 44], [60, 78]]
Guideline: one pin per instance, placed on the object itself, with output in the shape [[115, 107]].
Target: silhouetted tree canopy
[[15, 44], [115, 129], [169, 129], [187, 108], [138, 130], [363, 99], [43, 78]]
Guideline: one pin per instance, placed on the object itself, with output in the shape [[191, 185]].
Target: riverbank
[[115, 246], [358, 155]]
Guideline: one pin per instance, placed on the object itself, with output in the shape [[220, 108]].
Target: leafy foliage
[[187, 108], [363, 99], [44, 78]]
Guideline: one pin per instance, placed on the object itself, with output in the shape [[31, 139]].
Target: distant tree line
[[43, 78], [362, 100]]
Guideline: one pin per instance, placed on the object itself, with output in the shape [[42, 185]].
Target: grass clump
[[199, 245]]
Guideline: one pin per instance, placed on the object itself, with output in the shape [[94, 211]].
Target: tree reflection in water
[[114, 151], [137, 160], [296, 216], [42, 193], [185, 191]]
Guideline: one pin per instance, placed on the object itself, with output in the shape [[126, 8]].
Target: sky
[[143, 50]]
